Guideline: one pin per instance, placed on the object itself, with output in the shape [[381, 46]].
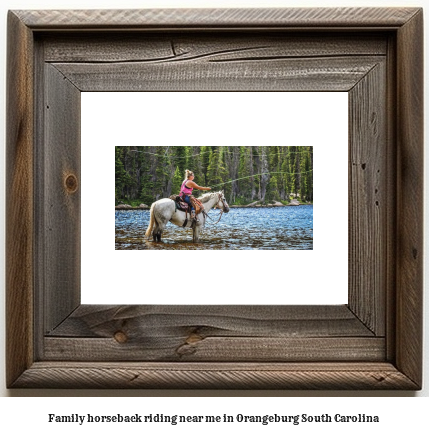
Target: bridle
[[221, 212]]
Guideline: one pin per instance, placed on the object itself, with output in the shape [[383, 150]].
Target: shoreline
[[263, 206]]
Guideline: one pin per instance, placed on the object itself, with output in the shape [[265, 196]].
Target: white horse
[[164, 210]]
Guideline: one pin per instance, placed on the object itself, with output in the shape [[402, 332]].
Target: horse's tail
[[151, 222]]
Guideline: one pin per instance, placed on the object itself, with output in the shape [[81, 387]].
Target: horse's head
[[222, 204]]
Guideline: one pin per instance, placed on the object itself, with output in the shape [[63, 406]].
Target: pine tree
[[310, 175], [287, 173], [265, 175], [272, 189], [232, 168], [304, 170], [245, 173], [120, 174], [274, 185], [297, 172], [130, 185], [181, 158], [216, 172], [205, 153], [161, 173], [177, 181]]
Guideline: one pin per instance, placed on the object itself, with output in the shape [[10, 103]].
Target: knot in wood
[[71, 183], [193, 338], [120, 337]]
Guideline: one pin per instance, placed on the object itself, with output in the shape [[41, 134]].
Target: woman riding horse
[[165, 210], [186, 191]]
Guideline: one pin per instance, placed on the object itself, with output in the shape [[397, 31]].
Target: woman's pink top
[[185, 190]]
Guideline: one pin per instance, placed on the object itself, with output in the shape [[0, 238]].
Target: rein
[[221, 212], [210, 218]]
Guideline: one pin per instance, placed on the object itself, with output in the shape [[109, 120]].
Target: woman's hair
[[188, 173]]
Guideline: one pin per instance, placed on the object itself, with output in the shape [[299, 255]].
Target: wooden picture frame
[[373, 342]]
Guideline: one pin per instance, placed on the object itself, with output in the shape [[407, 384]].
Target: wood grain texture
[[191, 349], [197, 18], [391, 192], [39, 200], [61, 206], [213, 333], [19, 200], [173, 46], [178, 348], [331, 74], [98, 321], [368, 203], [409, 264], [215, 376]]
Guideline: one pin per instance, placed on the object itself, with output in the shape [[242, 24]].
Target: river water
[[271, 228]]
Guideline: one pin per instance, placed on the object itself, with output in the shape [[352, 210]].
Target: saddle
[[183, 206], [179, 203]]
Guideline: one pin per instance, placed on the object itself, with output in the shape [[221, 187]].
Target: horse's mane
[[206, 197]]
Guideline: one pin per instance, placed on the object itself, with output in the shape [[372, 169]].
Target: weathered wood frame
[[374, 342]]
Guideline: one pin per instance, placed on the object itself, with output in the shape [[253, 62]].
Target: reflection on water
[[274, 228]]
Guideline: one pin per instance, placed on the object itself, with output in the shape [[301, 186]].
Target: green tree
[[162, 173], [120, 174], [264, 173], [177, 181], [181, 158], [205, 153], [216, 172], [246, 182], [288, 178], [306, 174], [272, 189]]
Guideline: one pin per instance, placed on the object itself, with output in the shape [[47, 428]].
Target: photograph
[[233, 198]]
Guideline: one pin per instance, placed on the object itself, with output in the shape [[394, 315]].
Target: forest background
[[245, 173]]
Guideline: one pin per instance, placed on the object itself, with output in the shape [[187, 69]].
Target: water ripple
[[280, 228]]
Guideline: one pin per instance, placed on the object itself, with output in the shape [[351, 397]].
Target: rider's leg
[[187, 199]]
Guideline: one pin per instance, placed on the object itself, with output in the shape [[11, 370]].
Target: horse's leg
[[196, 234], [159, 224], [159, 236], [161, 227], [162, 215], [155, 232]]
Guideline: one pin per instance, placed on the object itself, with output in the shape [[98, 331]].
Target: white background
[[29, 415], [318, 119]]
